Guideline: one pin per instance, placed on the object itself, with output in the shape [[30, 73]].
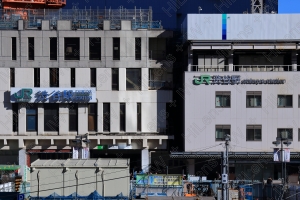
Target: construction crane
[[32, 4]]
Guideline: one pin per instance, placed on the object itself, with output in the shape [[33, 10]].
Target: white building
[[117, 69], [242, 79]]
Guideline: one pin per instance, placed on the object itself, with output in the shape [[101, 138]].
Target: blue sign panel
[[21, 197]]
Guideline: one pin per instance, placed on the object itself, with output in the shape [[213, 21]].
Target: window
[[14, 48], [106, 117], [12, 77], [51, 119], [72, 77], [223, 99], [95, 48], [30, 48], [285, 133], [54, 77], [122, 117], [285, 101], [253, 99], [116, 48], [92, 117], [72, 49], [36, 77], [253, 132], [138, 52], [299, 134], [222, 131], [53, 48], [115, 78], [31, 117], [93, 77], [133, 79], [139, 117], [15, 117], [73, 117]]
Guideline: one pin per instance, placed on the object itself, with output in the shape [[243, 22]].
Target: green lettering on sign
[[24, 94], [201, 79]]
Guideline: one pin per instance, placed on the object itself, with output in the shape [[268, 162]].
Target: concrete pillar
[[82, 118], [22, 119], [122, 79], [40, 112], [22, 163], [230, 61], [294, 60], [191, 166], [145, 160], [64, 120]]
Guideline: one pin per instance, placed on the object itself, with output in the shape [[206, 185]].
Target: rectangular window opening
[[31, 117], [133, 79], [285, 101], [92, 117], [30, 48], [95, 48], [106, 117], [138, 52], [115, 79], [139, 117], [53, 48], [36, 77], [253, 132], [222, 131], [122, 117], [72, 77], [253, 99], [93, 74], [116, 48], [14, 48], [286, 133], [15, 113], [72, 49], [54, 77], [51, 117], [223, 99], [73, 117], [12, 77]]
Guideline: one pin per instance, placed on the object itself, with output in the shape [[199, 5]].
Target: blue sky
[[288, 6]]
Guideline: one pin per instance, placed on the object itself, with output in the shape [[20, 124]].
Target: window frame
[[12, 76], [138, 48], [93, 77], [253, 127], [91, 45], [37, 77], [53, 48], [15, 117], [106, 123], [52, 72], [122, 117], [116, 52], [139, 87], [13, 48], [73, 106], [70, 42], [115, 85], [73, 77], [52, 107], [285, 95], [253, 93], [139, 117], [94, 115], [31, 48], [223, 93], [32, 107], [222, 126], [291, 129]]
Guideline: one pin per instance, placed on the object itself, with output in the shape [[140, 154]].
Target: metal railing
[[160, 85], [243, 68], [146, 25]]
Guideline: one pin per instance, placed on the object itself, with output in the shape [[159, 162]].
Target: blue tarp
[[95, 195]]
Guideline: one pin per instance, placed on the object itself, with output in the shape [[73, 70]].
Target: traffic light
[[18, 180]]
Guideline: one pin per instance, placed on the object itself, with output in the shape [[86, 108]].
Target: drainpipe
[[38, 179], [76, 176], [102, 175]]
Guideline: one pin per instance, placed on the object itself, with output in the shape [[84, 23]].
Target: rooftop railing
[[243, 68]]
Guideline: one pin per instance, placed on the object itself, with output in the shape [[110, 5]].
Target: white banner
[[282, 156], [75, 153], [85, 153]]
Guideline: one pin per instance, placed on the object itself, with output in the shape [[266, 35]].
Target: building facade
[[66, 78], [242, 80]]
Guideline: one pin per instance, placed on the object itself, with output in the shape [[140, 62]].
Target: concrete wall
[[202, 116]]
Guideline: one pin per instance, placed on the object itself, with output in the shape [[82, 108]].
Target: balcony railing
[[244, 68], [160, 85]]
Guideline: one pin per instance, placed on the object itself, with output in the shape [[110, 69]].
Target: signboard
[[232, 80], [53, 95], [284, 158], [158, 180]]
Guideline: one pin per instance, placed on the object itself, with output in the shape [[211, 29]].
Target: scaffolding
[[80, 18]]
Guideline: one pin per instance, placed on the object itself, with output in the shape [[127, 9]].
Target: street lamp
[[283, 139], [82, 138], [199, 9]]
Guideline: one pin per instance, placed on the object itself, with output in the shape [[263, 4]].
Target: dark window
[[73, 117], [72, 77], [285, 101], [12, 77], [14, 48], [30, 48], [115, 78], [299, 134], [122, 117], [222, 131], [53, 48], [54, 77], [15, 109], [253, 132], [93, 77], [51, 119], [133, 79], [31, 117], [95, 48], [139, 117], [92, 118], [116, 48], [286, 133], [36, 77], [223, 99], [72, 49], [253, 99], [106, 117], [138, 52]]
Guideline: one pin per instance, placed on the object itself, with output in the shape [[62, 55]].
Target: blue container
[[246, 192]]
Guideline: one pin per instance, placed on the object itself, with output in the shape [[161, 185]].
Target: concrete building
[[242, 79], [108, 78]]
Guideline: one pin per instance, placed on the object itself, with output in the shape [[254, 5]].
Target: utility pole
[[225, 169]]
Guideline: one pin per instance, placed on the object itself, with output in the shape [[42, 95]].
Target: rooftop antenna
[[256, 6], [199, 9]]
